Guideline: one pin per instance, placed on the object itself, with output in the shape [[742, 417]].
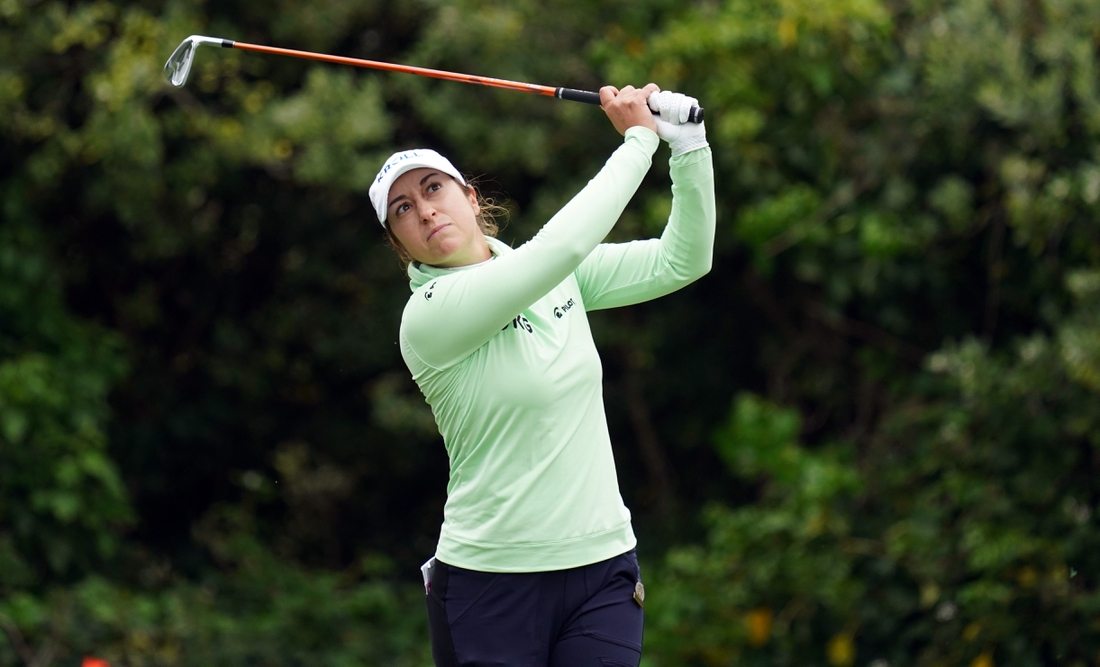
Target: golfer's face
[[435, 219]]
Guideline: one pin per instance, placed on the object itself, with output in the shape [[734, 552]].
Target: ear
[[471, 194]]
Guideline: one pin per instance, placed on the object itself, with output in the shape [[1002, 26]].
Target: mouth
[[437, 230]]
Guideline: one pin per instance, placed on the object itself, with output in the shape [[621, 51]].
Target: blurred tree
[[964, 532], [62, 501], [910, 180]]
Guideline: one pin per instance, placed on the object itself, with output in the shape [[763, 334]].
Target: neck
[[476, 253]]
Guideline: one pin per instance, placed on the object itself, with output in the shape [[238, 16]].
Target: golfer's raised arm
[[472, 306], [620, 274]]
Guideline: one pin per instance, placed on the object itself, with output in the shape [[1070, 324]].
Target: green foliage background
[[871, 436]]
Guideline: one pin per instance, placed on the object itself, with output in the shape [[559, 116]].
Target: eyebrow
[[400, 197]]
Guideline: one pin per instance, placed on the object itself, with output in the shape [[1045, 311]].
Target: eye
[[434, 186], [401, 208]]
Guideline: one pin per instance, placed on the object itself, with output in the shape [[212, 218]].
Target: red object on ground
[[95, 662]]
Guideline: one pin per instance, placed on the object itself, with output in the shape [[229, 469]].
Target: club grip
[[588, 97], [574, 95]]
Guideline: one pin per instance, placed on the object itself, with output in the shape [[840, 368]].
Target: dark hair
[[487, 217]]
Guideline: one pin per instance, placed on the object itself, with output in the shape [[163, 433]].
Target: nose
[[425, 210]]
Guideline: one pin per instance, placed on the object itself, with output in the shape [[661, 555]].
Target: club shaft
[[549, 91], [586, 96]]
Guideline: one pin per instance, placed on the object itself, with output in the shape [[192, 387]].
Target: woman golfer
[[535, 565]]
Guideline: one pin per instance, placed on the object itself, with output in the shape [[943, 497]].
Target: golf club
[[179, 66]]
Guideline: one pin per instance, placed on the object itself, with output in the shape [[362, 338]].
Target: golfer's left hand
[[673, 125]]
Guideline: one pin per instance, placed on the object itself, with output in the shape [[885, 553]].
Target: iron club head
[[179, 63]]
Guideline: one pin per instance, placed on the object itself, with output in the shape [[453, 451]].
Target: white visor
[[398, 164]]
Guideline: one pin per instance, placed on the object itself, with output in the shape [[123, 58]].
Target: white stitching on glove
[[673, 126]]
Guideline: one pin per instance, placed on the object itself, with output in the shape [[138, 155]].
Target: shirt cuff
[[646, 138]]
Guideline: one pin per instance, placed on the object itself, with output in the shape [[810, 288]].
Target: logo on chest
[[521, 323], [560, 311]]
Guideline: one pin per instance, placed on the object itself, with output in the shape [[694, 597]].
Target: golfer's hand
[[673, 125], [628, 107]]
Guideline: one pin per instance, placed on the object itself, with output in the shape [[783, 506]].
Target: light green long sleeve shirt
[[504, 356]]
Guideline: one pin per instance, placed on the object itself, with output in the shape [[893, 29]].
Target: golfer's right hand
[[628, 107]]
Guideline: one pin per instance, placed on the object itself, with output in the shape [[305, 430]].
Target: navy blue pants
[[582, 617]]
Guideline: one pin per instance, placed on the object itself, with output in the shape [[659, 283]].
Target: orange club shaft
[[549, 91]]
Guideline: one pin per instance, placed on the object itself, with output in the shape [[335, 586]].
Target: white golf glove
[[673, 125]]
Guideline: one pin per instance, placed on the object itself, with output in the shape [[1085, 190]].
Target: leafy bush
[[964, 533]]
